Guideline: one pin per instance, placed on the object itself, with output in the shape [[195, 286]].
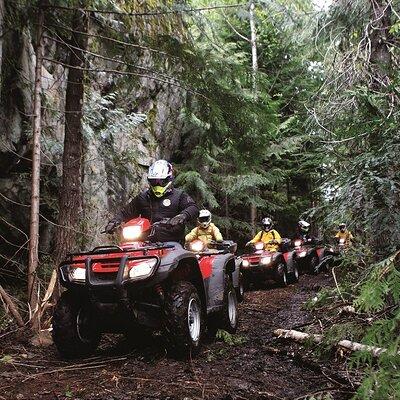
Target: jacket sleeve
[[256, 238], [278, 237], [192, 235], [337, 235], [217, 234], [131, 210], [188, 207]]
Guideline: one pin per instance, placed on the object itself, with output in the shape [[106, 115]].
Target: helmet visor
[[159, 182], [204, 219]]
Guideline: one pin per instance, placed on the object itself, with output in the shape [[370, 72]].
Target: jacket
[[146, 205], [265, 237], [204, 234], [346, 235]]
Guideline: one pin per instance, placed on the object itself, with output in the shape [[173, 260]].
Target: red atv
[[261, 265], [310, 256], [141, 283]]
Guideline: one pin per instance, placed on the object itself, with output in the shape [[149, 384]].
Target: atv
[[261, 265], [204, 252], [310, 256], [143, 284]]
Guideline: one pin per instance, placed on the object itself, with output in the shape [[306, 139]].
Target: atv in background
[[311, 256], [261, 265], [144, 284]]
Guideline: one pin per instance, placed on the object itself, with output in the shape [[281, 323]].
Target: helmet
[[304, 226], [204, 218], [160, 177], [267, 224], [342, 227]]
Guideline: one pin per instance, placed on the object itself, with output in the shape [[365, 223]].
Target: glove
[[177, 220], [111, 226]]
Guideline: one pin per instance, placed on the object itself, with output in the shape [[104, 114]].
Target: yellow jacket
[[265, 237], [204, 234], [346, 235]]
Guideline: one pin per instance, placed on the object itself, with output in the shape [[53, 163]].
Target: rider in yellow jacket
[[345, 234], [270, 237], [205, 230]]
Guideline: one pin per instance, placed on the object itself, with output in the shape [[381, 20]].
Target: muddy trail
[[249, 365]]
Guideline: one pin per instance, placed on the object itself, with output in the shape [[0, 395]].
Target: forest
[[286, 109]]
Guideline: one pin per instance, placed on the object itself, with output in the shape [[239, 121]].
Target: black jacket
[[155, 209]]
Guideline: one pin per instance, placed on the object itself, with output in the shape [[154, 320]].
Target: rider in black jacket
[[161, 201]]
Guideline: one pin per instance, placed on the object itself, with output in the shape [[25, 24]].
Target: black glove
[[110, 228], [177, 220]]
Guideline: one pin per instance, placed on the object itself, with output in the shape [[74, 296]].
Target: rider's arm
[[277, 236], [337, 235], [217, 234], [256, 238], [351, 237], [188, 207], [192, 235], [131, 210]]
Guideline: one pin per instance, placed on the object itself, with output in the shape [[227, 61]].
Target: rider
[[303, 231], [270, 237], [205, 230], [161, 201], [345, 234]]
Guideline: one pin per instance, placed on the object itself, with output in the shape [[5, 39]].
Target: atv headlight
[[297, 243], [77, 274], [131, 232], [197, 246], [341, 241], [245, 263], [265, 260], [302, 254], [142, 269], [259, 246]]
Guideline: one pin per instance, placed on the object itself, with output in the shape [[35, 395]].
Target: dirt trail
[[260, 368]]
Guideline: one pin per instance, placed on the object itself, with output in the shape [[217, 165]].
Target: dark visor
[[159, 182], [204, 219]]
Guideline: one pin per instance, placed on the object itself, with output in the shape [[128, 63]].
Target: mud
[[250, 365]]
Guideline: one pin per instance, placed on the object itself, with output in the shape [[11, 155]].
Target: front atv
[[310, 256], [261, 265], [139, 285]]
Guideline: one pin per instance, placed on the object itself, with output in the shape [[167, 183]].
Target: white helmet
[[267, 223], [204, 218], [160, 177], [304, 226]]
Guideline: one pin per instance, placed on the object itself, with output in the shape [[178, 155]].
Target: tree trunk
[[33, 261], [70, 203], [1, 36], [254, 63], [12, 308]]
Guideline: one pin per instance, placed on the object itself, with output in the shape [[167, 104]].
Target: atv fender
[[289, 259], [222, 264]]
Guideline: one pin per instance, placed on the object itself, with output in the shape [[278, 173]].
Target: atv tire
[[228, 318], [184, 320], [283, 279], [74, 331], [294, 275], [241, 289], [314, 262]]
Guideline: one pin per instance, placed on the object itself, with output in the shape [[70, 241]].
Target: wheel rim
[[232, 308], [194, 320], [284, 278], [241, 287], [82, 328]]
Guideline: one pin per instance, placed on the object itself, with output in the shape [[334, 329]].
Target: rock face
[[117, 149]]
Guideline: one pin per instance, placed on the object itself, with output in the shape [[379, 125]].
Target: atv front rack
[[92, 279]]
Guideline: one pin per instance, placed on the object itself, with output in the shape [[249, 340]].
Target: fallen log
[[11, 307], [346, 344]]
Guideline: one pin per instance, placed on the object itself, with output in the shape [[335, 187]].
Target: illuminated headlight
[[331, 249], [142, 269], [197, 246], [265, 260], [259, 246], [245, 263], [297, 243], [341, 241], [77, 274], [131, 232], [302, 254]]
